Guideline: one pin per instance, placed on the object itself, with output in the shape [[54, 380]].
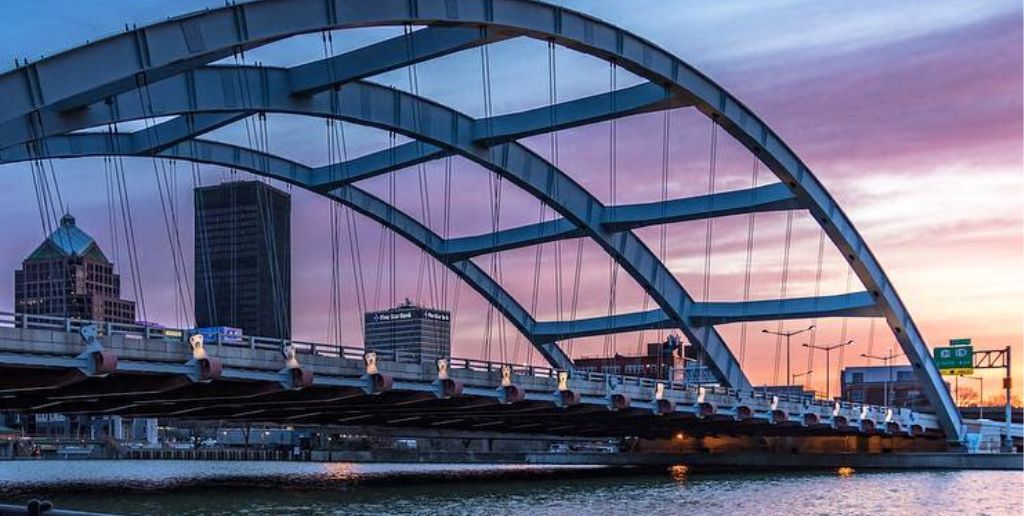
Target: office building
[[878, 385], [243, 258], [663, 361], [69, 276], [411, 330], [695, 371]]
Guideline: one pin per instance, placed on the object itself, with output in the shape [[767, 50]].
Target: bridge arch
[[203, 90], [44, 94]]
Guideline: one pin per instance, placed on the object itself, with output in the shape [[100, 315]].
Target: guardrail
[[138, 331]]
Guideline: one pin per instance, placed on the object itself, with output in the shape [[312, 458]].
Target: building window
[[905, 376], [857, 378], [634, 369], [857, 395]]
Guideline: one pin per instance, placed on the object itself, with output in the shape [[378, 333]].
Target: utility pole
[[828, 363], [887, 361], [788, 335]]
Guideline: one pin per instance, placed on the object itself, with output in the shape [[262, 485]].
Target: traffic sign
[[959, 342], [956, 360]]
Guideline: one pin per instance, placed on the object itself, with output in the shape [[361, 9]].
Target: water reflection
[[278, 488], [679, 472]]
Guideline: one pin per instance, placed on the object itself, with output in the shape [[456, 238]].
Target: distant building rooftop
[[68, 240]]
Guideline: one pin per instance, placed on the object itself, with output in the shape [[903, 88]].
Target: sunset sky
[[909, 112]]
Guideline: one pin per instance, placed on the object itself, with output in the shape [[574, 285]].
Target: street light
[[828, 363], [787, 334], [981, 394], [798, 375], [885, 360]]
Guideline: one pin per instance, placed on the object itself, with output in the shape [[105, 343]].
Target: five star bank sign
[[957, 359]]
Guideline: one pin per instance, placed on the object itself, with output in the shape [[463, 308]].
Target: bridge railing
[[150, 331]]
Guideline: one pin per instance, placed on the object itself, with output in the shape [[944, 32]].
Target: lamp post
[[788, 335], [828, 363], [981, 394], [885, 360], [798, 375]]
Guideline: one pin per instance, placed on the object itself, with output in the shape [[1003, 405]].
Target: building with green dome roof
[[68, 275]]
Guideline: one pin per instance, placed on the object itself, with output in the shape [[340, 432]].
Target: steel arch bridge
[[48, 101]]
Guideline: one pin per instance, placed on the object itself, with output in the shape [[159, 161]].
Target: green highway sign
[[955, 360], [959, 342]]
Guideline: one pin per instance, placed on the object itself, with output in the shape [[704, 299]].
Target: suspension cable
[[202, 234], [542, 212], [748, 267], [496, 188], [446, 217], [871, 336], [709, 230], [424, 187], [817, 294], [842, 334], [610, 340], [782, 296], [662, 228], [170, 218], [135, 272], [45, 201], [335, 321]]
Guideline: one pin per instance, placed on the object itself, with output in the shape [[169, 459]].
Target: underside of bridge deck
[[231, 401]]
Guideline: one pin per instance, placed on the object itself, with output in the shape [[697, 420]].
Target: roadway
[[133, 371]]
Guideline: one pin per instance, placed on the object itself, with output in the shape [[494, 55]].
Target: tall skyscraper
[[243, 258], [412, 330], [69, 276]]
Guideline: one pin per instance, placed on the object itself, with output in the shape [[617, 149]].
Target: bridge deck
[[43, 369]]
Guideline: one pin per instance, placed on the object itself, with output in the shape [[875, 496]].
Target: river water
[[281, 488]]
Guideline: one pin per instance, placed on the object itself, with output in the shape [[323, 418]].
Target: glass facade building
[[243, 258], [413, 331], [69, 276]]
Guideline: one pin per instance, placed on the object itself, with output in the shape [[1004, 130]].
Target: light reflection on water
[[278, 488]]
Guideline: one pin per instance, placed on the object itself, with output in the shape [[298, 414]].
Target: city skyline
[[511, 257], [927, 208]]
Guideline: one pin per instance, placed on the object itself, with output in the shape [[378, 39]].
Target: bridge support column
[[374, 382], [565, 397], [293, 376], [205, 368], [661, 405], [97, 362], [616, 400], [445, 387], [703, 408], [509, 392]]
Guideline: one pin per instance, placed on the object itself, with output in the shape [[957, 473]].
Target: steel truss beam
[[857, 304], [34, 94], [513, 238], [420, 45], [629, 216], [217, 89], [216, 153], [643, 98]]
